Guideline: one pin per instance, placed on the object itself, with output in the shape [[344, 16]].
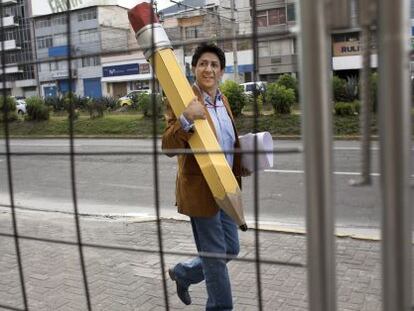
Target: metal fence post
[[367, 15], [395, 142], [316, 129]]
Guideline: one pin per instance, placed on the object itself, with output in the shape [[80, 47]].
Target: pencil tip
[[232, 206]]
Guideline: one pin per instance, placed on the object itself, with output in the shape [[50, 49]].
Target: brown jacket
[[193, 195]]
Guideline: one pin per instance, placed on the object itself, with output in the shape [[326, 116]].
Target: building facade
[[211, 20], [125, 72], [96, 32], [19, 71], [278, 52]]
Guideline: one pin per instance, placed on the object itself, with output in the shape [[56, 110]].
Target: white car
[[20, 106], [249, 87]]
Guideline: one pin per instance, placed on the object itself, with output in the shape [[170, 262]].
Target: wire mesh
[[258, 260]]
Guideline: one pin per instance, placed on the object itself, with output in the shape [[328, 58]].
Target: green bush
[[290, 82], [351, 88], [234, 93], [36, 109], [8, 107], [281, 98], [109, 102], [344, 109], [78, 102], [357, 106], [95, 107], [145, 104], [57, 103], [71, 104], [250, 103], [339, 89], [374, 91]]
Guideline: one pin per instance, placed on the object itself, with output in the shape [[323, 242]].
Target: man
[[214, 231]]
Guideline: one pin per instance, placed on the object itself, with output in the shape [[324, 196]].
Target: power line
[[204, 10]]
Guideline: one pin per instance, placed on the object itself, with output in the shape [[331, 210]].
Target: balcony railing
[[9, 22], [9, 45], [6, 2]]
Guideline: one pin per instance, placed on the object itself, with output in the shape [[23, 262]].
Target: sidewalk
[[131, 280]]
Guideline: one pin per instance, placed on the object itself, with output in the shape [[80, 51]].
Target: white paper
[[264, 147]]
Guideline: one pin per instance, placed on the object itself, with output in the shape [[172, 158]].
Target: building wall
[[95, 31], [277, 54], [18, 48], [243, 16]]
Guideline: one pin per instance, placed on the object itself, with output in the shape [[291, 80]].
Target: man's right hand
[[195, 110]]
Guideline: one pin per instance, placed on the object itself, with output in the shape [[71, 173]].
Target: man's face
[[208, 72]]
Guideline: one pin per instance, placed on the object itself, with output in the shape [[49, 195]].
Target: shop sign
[[45, 7], [144, 68], [346, 48], [121, 70]]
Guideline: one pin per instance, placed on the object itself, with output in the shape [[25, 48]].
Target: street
[[123, 184]]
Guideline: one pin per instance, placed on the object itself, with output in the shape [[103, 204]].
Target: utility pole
[[234, 42], [367, 15], [34, 47]]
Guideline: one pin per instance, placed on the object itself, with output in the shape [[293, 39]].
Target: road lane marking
[[335, 173], [301, 172], [127, 186]]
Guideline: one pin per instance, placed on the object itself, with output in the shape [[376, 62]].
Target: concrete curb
[[275, 137]]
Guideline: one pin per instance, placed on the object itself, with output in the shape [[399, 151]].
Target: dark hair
[[212, 48]]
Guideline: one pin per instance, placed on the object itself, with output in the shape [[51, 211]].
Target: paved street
[[117, 191], [124, 183], [131, 280]]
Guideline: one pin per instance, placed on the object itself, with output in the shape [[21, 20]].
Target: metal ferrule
[[152, 38]]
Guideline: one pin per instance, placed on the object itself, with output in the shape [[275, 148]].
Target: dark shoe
[[182, 292]]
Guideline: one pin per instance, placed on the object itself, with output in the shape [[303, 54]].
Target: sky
[[41, 7], [161, 4]]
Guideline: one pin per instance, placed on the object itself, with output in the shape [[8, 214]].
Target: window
[[271, 17], [44, 67], [277, 16], [88, 35], [11, 58], [9, 35], [91, 61], [87, 15], [7, 12], [264, 49], [60, 39], [280, 47], [261, 19], [59, 20], [191, 32], [42, 23], [63, 64], [44, 42], [291, 12], [53, 66]]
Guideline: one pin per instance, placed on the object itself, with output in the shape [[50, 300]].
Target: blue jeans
[[218, 235]]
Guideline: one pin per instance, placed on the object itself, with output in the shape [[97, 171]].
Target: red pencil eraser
[[142, 15]]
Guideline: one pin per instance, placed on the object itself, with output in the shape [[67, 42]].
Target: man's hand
[[195, 110]]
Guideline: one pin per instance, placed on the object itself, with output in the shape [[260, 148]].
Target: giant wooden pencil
[[152, 38]]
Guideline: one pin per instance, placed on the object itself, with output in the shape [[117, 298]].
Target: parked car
[[248, 87], [128, 99], [20, 106]]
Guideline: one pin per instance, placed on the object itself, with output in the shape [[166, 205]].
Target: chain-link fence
[[269, 27]]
